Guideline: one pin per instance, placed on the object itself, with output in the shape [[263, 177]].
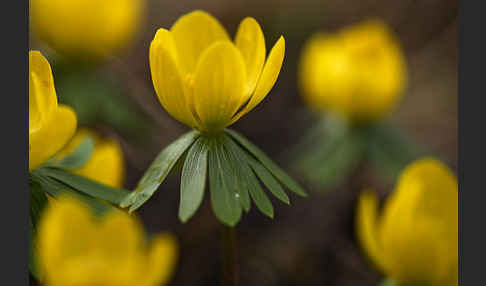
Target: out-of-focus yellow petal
[[338, 72], [194, 33], [251, 43], [119, 232], [77, 248], [66, 230], [419, 226], [367, 227], [268, 77], [106, 164], [86, 30], [161, 261], [52, 136], [219, 85], [167, 78]]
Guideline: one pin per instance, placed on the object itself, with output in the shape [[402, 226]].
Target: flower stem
[[229, 273]]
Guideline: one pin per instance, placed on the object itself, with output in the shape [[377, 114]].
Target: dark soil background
[[311, 242]]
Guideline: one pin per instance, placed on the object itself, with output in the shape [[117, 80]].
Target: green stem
[[229, 273]]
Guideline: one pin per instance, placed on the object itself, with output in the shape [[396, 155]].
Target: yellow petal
[[167, 78], [52, 136], [120, 235], [219, 85], [194, 33], [419, 227], [267, 79], [42, 95], [251, 43], [161, 261], [367, 227], [66, 230]]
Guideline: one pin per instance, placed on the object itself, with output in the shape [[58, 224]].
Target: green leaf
[[57, 189], [388, 282], [87, 186], [269, 181], [268, 163], [193, 179], [237, 162], [224, 200], [158, 171], [248, 177], [78, 157], [38, 202], [392, 151], [337, 160]]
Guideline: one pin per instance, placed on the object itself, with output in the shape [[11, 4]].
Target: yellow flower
[[106, 164], [205, 80], [86, 29], [415, 239], [50, 125], [76, 248], [358, 73]]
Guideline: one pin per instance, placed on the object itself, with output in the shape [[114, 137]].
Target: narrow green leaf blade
[[193, 179], [335, 165], [79, 156], [56, 189], [87, 186], [269, 181], [237, 163], [158, 171], [224, 201], [268, 163], [257, 194]]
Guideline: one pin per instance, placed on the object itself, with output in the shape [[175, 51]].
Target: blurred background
[[311, 242]]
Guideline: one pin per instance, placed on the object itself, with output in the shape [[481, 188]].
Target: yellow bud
[[106, 164], [358, 73], [205, 80], [50, 125], [414, 240], [86, 29], [76, 248]]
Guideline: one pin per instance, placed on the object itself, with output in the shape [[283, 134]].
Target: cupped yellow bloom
[[106, 164], [205, 80], [50, 125], [358, 73], [415, 239], [76, 248], [86, 29]]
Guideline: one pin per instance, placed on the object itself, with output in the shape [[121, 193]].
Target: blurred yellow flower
[[106, 164], [205, 80], [50, 125], [415, 239], [86, 29], [358, 73], [76, 248]]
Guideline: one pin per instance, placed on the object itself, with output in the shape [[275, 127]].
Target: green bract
[[333, 150], [236, 169]]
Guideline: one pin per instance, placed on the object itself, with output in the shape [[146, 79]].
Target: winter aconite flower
[[204, 79], [86, 29], [50, 125], [358, 73], [414, 240], [76, 248], [105, 165]]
